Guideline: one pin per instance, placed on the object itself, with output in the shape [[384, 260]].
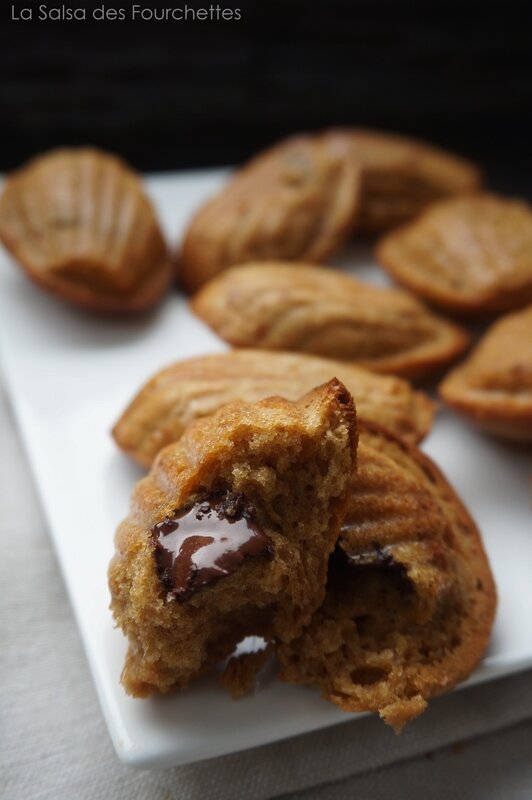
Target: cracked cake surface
[[230, 533], [410, 596]]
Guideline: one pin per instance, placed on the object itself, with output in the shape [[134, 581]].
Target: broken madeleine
[[230, 534], [81, 226], [410, 597], [317, 310]]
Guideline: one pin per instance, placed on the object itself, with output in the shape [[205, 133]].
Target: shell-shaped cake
[[197, 387], [230, 534], [401, 175], [81, 226], [410, 597], [493, 387], [295, 201], [471, 254], [317, 310]]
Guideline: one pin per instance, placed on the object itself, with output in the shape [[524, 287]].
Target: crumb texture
[[410, 597], [291, 462]]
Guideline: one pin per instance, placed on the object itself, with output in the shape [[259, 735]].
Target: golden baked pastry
[[410, 597], [317, 310], [400, 176], [468, 254], [493, 387], [198, 387], [80, 225], [295, 201], [230, 534]]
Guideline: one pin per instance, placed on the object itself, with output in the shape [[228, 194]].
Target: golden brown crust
[[80, 225], [198, 387], [470, 255], [277, 454], [296, 200], [304, 308], [410, 605], [400, 176], [493, 387]]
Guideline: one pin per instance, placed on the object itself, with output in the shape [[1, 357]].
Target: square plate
[[69, 376]]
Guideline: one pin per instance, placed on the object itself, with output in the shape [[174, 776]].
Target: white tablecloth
[[54, 744]]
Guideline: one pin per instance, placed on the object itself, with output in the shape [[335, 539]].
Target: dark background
[[178, 95]]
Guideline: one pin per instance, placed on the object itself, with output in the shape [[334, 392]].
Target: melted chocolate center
[[206, 541]]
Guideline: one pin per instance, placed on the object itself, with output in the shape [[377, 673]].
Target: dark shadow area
[[174, 95]]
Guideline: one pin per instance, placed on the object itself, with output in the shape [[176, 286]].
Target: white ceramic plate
[[69, 376]]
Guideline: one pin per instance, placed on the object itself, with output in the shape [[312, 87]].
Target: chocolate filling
[[376, 558], [205, 541]]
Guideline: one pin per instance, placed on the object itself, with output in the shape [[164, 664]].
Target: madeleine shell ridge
[[80, 224], [492, 388], [469, 255], [187, 390], [321, 311], [295, 201], [410, 600]]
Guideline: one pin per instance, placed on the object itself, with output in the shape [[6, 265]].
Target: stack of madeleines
[[287, 497]]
